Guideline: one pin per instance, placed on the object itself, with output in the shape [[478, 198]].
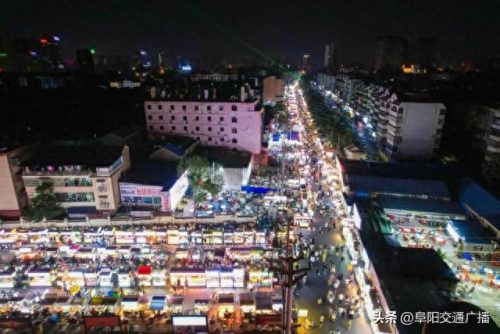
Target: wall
[[418, 130], [9, 205], [211, 127]]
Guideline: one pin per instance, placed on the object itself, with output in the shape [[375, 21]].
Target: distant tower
[[391, 53], [329, 56], [306, 62]]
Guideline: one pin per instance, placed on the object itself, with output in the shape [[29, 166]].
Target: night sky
[[257, 29]]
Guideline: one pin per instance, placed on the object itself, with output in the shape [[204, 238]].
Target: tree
[[44, 204], [204, 177]]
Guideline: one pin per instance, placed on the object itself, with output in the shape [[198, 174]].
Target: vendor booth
[[175, 305], [144, 275], [158, 278], [188, 277], [7, 279], [201, 306], [158, 303], [39, 277]]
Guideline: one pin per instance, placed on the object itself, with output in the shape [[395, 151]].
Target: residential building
[[273, 90], [230, 122], [85, 177], [409, 125], [391, 53], [13, 197]]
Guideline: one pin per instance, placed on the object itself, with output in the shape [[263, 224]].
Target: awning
[[144, 270], [157, 303], [81, 211]]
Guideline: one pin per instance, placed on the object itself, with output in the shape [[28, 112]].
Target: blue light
[[143, 53], [186, 68], [33, 53], [57, 38]]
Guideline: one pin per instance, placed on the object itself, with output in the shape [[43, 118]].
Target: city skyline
[[230, 31]]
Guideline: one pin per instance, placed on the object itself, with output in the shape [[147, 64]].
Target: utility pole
[[290, 277]]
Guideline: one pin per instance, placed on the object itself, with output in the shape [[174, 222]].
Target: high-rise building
[[306, 62], [391, 53], [329, 56]]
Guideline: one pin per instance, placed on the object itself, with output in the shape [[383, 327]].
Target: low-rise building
[[85, 177], [153, 187]]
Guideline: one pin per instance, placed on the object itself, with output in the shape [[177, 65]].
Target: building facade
[[408, 128], [273, 90], [13, 197], [391, 53], [79, 187], [232, 124]]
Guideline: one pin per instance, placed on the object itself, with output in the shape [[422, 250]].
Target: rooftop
[[364, 185], [481, 201], [153, 173], [93, 155], [401, 170], [225, 157], [421, 205], [472, 232]]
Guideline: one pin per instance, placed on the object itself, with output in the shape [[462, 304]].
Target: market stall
[[39, 277], [158, 303], [201, 306], [7, 279], [188, 277], [144, 275], [158, 278], [175, 305]]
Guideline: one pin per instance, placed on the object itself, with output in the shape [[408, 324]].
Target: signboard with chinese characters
[[139, 190]]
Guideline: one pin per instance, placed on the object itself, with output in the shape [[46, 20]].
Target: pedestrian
[[321, 321]]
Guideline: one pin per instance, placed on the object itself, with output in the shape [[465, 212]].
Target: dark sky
[[285, 29]]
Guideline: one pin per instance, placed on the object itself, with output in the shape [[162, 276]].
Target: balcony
[[494, 149], [495, 138], [102, 189]]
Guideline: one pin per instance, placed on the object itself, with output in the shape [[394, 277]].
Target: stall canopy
[[144, 270], [258, 190], [157, 303]]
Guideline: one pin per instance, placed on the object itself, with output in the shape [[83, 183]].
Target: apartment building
[[85, 177], [233, 123], [409, 125], [13, 197]]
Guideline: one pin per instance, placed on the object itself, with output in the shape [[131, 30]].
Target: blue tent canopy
[[257, 190]]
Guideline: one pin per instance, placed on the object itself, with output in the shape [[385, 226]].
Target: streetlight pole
[[291, 277]]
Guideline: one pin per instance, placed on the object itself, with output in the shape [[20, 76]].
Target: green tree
[[44, 204], [204, 177]]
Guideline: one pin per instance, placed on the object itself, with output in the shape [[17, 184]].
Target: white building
[[235, 124], [413, 126]]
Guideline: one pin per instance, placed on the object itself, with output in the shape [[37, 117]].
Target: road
[[317, 285]]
